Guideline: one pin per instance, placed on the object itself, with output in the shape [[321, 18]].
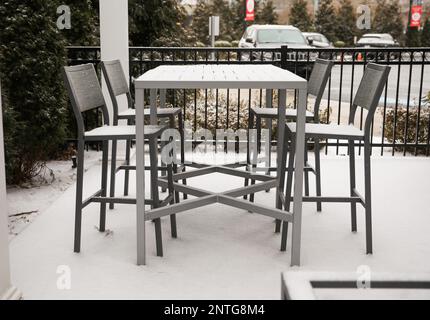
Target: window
[[280, 36]]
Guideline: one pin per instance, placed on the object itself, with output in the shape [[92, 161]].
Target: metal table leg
[[298, 178], [140, 178]]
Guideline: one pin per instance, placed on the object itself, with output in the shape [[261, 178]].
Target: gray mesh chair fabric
[[367, 96], [117, 85], [85, 94]]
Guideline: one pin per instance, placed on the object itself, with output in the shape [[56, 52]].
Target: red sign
[[416, 14], [250, 15]]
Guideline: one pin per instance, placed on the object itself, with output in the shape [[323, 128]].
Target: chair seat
[[130, 114], [320, 130], [121, 132], [273, 112]]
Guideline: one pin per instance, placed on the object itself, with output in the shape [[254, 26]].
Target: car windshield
[[280, 36], [319, 38], [372, 37]]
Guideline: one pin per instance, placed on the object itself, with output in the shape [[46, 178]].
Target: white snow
[[223, 252], [26, 203]]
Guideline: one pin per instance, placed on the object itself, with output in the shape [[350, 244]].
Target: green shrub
[[339, 44], [32, 53]]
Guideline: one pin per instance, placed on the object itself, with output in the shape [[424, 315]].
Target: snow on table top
[[220, 76]]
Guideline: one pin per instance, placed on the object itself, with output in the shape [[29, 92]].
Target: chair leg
[[173, 227], [105, 160], [283, 172], [318, 172], [306, 172], [153, 153], [248, 156], [368, 196], [269, 125], [127, 163], [284, 235], [352, 184], [113, 172], [258, 127], [254, 165], [79, 189], [251, 196], [290, 172], [164, 173], [182, 133]]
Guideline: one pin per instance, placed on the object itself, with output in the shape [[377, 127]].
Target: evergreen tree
[[425, 33], [32, 55], [346, 22], [388, 18], [299, 16], [413, 38], [157, 22], [238, 11], [325, 20], [267, 14]]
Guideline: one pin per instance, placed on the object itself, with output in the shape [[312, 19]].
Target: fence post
[[284, 52]]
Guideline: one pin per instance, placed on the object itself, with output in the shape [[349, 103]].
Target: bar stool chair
[[316, 86], [85, 94], [117, 86], [367, 97]]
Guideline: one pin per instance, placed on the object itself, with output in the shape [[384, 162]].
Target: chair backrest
[[318, 81], [117, 84], [369, 92], [84, 91]]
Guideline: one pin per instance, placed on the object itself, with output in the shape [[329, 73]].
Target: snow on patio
[[223, 252]]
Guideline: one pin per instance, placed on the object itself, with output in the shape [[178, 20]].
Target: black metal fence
[[401, 124]]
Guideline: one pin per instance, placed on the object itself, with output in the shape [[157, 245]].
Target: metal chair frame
[[316, 86], [367, 96], [117, 85], [85, 94]]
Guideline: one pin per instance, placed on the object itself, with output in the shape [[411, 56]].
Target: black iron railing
[[401, 124]]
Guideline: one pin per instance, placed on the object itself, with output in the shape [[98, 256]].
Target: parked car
[[275, 36], [317, 40], [378, 40]]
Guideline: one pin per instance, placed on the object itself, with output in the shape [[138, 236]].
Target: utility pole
[[316, 5]]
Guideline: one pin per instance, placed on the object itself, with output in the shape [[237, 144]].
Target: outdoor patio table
[[223, 76]]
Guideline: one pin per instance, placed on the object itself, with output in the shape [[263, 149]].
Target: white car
[[273, 36], [377, 40]]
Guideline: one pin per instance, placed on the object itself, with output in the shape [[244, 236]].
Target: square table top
[[222, 76]]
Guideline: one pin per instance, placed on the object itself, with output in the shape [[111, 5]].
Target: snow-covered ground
[[26, 203], [223, 252]]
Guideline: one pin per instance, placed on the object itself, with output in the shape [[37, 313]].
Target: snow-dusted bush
[[32, 53]]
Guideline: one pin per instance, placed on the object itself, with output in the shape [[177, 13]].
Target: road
[[392, 83]]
